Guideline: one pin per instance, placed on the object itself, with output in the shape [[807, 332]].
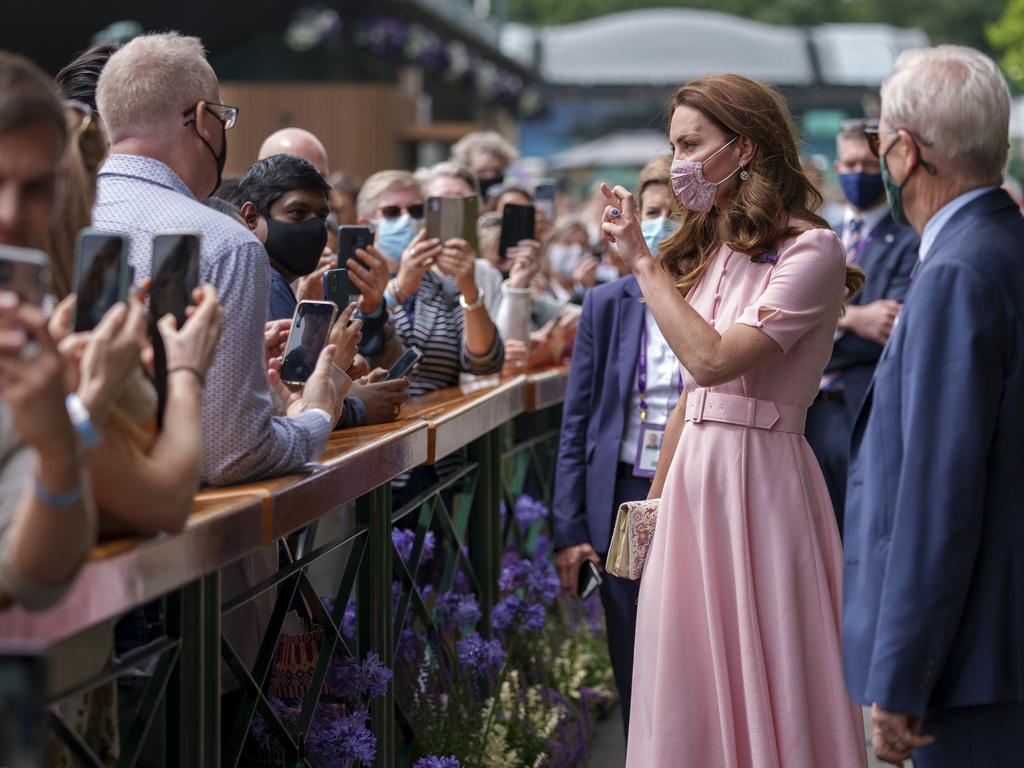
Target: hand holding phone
[[175, 275], [404, 365], [102, 275], [352, 238], [26, 272], [311, 327], [337, 288], [589, 579], [518, 222]]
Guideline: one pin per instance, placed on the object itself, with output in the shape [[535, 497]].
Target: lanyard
[[641, 375]]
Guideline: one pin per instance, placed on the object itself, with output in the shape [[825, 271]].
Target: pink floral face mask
[[693, 191]]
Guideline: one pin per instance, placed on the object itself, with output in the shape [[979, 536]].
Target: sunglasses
[[228, 116], [394, 211], [874, 139]]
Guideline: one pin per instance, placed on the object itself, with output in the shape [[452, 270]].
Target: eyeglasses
[[394, 211], [227, 116], [874, 138]]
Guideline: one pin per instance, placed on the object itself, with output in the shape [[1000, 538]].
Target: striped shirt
[[432, 322]]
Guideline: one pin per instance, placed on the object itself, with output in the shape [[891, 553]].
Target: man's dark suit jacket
[[933, 608], [597, 398], [888, 258]]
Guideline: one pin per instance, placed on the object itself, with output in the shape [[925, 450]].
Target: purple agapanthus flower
[[539, 580], [513, 611], [480, 655], [409, 644], [528, 510], [458, 611], [335, 738], [404, 539], [434, 761], [350, 678]]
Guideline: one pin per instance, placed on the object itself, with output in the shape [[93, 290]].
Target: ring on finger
[[398, 409]]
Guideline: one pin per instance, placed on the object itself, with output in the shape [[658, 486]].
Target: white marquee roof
[[667, 46]]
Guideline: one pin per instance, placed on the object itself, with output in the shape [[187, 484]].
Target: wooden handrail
[[228, 523]]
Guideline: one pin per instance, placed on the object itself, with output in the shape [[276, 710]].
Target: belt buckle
[[698, 405]]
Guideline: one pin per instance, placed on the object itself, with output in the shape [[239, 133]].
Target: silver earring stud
[[744, 175]]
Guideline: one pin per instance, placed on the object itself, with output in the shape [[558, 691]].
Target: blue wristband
[[56, 500], [81, 420]]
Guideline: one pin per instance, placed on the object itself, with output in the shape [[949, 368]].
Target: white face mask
[[565, 258]]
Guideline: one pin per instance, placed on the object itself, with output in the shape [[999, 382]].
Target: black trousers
[[973, 737], [828, 431], [619, 598]]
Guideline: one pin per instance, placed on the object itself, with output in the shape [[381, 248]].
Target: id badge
[[648, 449]]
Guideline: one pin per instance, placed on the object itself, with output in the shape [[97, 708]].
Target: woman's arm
[[711, 358], [49, 535], [156, 494], [669, 445]]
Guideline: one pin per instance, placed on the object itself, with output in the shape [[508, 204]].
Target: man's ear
[[201, 121], [250, 215]]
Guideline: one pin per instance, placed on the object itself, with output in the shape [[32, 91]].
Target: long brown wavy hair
[[756, 219]]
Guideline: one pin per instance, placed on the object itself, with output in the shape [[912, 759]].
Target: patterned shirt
[[242, 439]]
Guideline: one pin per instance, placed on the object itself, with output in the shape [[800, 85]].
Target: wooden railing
[[491, 416]]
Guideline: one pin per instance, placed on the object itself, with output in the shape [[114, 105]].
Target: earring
[[744, 175]]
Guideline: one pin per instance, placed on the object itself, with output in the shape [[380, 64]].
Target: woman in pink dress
[[738, 660]]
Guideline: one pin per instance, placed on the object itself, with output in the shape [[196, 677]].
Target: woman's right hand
[[31, 378], [192, 346], [621, 226], [111, 353], [418, 257]]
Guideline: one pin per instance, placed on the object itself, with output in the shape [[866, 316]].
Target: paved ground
[[609, 747]]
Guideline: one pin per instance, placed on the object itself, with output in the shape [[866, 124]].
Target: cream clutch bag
[[631, 539]]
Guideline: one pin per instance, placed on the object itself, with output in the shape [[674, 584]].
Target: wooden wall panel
[[361, 125]]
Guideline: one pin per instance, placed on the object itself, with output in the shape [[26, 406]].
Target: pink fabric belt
[[702, 405]]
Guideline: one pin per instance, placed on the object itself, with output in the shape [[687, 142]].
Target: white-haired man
[[159, 101], [934, 582]]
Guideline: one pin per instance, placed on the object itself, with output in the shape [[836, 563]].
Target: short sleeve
[[806, 288]]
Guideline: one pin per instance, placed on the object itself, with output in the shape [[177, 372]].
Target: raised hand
[[621, 225]]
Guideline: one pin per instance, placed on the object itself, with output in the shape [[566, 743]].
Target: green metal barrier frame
[[461, 510]]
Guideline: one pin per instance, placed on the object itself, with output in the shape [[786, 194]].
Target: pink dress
[[738, 661]]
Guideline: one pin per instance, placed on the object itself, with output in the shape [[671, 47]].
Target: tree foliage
[[1007, 35], [945, 21]]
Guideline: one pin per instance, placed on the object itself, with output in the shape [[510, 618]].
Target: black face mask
[[220, 159], [296, 246], [487, 184]]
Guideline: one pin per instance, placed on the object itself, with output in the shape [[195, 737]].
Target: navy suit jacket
[[933, 608], [888, 259], [601, 379]]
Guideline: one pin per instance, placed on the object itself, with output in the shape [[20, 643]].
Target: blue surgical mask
[[863, 190], [394, 235], [656, 230]]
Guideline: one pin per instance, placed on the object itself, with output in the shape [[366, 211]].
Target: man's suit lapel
[[876, 267], [631, 318]]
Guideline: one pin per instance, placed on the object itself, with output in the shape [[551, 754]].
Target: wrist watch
[[475, 305], [81, 420]]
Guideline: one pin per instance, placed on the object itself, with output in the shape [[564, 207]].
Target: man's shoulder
[[616, 289]]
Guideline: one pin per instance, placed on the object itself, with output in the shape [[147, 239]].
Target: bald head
[[299, 143]]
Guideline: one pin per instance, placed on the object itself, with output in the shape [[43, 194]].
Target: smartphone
[[175, 274], [544, 197], [102, 276], [589, 579], [337, 287], [23, 685], [403, 365], [311, 327], [26, 272], [350, 239], [449, 217], [518, 222]]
